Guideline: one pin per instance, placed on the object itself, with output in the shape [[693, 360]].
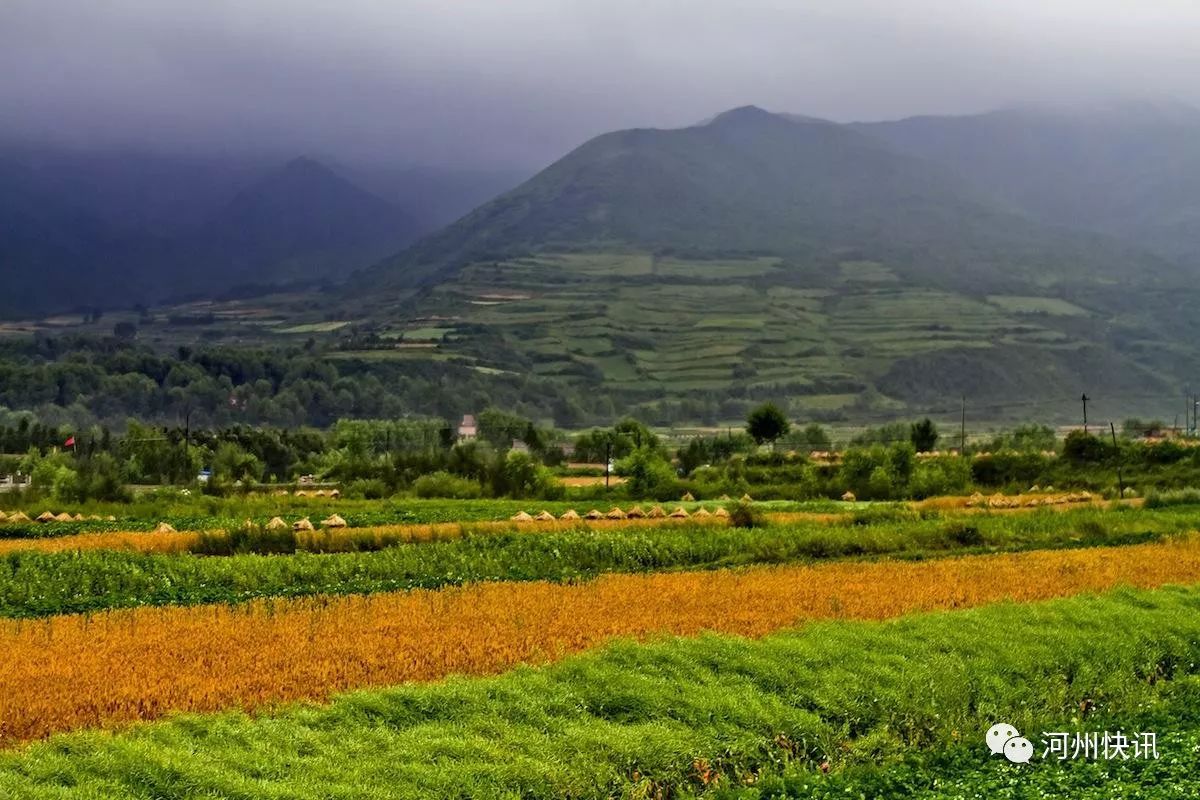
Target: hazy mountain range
[[86, 229], [1021, 251]]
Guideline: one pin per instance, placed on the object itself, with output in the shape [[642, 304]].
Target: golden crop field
[[117, 667]]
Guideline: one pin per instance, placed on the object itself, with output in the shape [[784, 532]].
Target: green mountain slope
[[761, 255], [750, 182]]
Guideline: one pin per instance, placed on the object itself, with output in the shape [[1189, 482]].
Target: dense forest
[[82, 381]]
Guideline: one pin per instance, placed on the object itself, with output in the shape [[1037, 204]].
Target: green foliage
[[767, 423], [924, 435], [444, 484], [648, 475], [745, 515]]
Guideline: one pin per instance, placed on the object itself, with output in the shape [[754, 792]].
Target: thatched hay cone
[[688, 498], [20, 516], [110, 518], [544, 516], [849, 497], [277, 524], [702, 512], [635, 513], [721, 512], [521, 516], [679, 513], [334, 494], [593, 514], [724, 498], [616, 513], [164, 527], [746, 498], [656, 513], [303, 525], [64, 517], [77, 518], [333, 521], [3, 517], [570, 513]]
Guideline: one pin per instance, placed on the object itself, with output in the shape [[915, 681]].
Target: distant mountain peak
[[743, 114]]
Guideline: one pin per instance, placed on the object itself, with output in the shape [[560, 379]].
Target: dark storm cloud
[[475, 81]]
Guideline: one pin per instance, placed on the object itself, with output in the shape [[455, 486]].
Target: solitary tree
[[767, 423], [924, 435]]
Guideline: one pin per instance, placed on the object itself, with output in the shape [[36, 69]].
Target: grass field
[[840, 650]]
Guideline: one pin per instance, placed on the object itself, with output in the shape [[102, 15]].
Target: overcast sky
[[519, 82]]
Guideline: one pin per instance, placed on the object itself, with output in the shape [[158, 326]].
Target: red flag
[[69, 442]]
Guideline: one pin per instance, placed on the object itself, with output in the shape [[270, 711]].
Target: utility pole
[[962, 433], [607, 461], [1085, 399], [1117, 447]]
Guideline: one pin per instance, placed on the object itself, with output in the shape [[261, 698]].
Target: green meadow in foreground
[[36, 584], [677, 717]]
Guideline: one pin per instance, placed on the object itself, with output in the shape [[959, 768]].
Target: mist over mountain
[[112, 228], [1128, 169]]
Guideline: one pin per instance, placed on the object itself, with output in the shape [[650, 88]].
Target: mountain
[[1128, 169], [300, 222], [767, 255], [113, 229], [754, 182]]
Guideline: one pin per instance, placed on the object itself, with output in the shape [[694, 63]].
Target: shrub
[[443, 484], [745, 515]]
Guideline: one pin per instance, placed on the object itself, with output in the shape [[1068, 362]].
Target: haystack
[[164, 527], [635, 513], [45, 516], [334, 494], [687, 498], [721, 512], [521, 516], [615, 513], [1034, 489], [656, 513], [702, 512], [570, 513], [302, 525], [110, 518], [302, 493], [544, 516], [20, 516], [3, 517], [333, 521], [679, 513], [593, 514], [64, 517], [93, 517], [724, 498], [77, 518], [319, 493], [849, 497], [277, 524], [746, 498]]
